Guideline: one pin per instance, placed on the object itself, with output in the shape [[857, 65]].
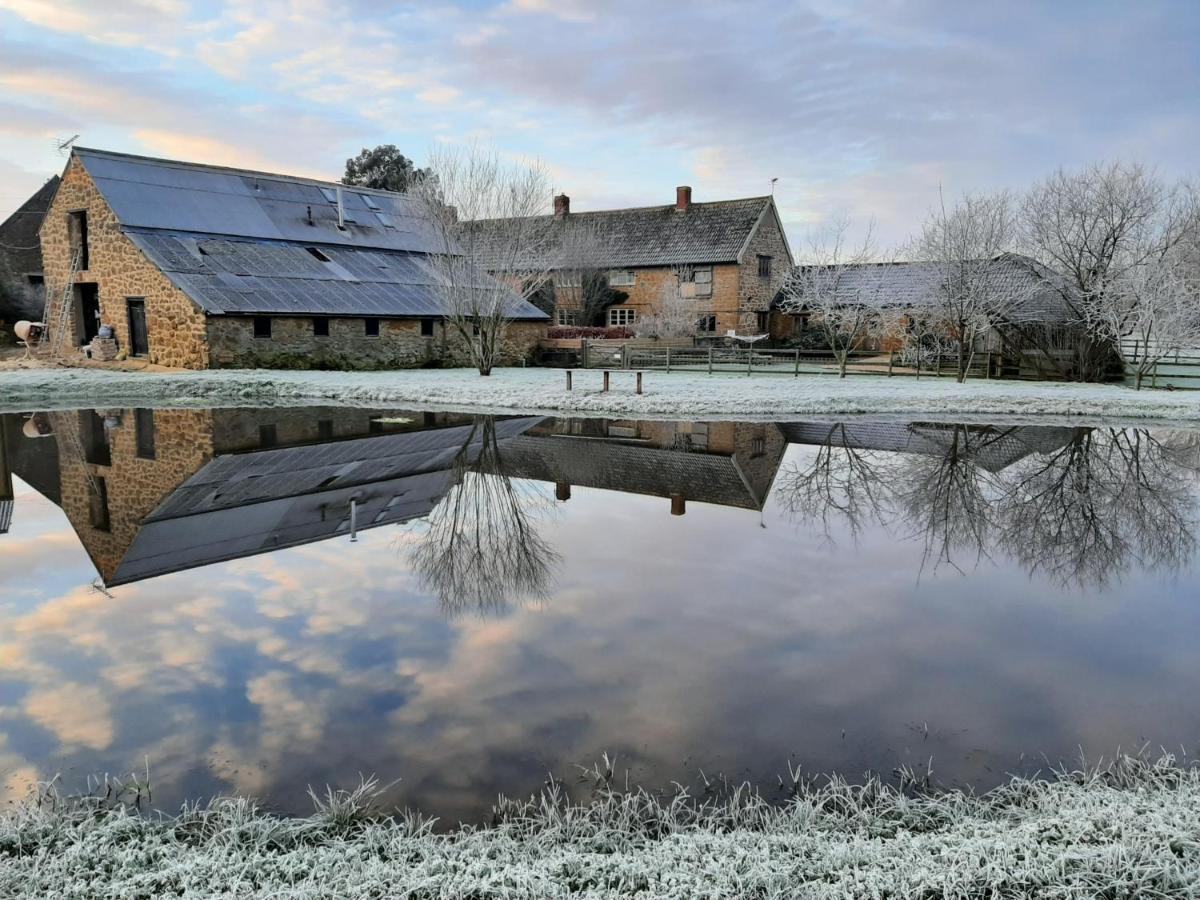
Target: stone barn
[[200, 266]]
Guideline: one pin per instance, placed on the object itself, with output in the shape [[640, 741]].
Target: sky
[[861, 110]]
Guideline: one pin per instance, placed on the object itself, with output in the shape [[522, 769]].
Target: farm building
[[201, 266], [21, 257], [728, 257], [1039, 330]]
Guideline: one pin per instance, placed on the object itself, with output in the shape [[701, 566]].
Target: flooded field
[[262, 600]]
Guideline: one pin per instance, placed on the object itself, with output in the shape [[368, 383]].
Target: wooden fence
[[1179, 368], [796, 362]]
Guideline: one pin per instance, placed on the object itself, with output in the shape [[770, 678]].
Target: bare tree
[[843, 289], [969, 295], [485, 213], [841, 482], [1095, 227], [676, 315], [483, 545], [1149, 312]]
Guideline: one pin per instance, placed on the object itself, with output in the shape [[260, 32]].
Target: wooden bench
[[607, 376]]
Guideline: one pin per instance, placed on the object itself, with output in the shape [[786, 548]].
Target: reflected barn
[[848, 595]]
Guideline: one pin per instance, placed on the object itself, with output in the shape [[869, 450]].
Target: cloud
[[77, 714]]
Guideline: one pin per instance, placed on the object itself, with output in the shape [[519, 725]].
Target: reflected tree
[[1109, 499], [945, 496], [482, 548], [840, 484]]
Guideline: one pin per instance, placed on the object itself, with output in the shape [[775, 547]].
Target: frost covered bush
[[1131, 829]]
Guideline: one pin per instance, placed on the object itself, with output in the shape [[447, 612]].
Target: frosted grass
[[1128, 829]]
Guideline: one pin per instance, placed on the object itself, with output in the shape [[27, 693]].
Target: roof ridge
[[625, 209], [233, 170]]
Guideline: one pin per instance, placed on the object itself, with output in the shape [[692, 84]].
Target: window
[[758, 446], [77, 235], [371, 327], [320, 326], [94, 438], [267, 435], [318, 254], [98, 505], [262, 326], [764, 267], [386, 221], [622, 278], [36, 280], [427, 328], [144, 424], [706, 324], [331, 194], [566, 317], [621, 316], [703, 277]]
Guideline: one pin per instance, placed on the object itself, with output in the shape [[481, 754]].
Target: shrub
[[612, 332]]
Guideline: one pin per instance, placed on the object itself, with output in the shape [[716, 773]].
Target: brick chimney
[[683, 198], [562, 205]]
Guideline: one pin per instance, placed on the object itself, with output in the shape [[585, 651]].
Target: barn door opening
[[89, 311], [139, 338]]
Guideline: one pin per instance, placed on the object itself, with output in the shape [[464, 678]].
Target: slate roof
[[656, 235], [631, 469], [248, 503], [1033, 295], [236, 240], [995, 448], [20, 249]]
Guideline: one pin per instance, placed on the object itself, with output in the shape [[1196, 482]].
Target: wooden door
[[139, 338]]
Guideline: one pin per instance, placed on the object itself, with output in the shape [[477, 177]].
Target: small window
[[371, 327], [764, 267], [144, 424], [329, 194], [318, 254], [706, 324], [325, 429], [566, 317], [703, 278], [98, 505], [262, 326], [320, 326], [77, 235], [622, 278], [758, 446], [36, 280], [621, 316], [267, 435], [427, 328]]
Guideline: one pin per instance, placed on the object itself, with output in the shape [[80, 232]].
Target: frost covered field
[[675, 394], [1129, 830]]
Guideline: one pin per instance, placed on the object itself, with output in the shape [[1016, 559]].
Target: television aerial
[[62, 146]]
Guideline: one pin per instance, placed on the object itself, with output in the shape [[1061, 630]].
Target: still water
[[261, 600]]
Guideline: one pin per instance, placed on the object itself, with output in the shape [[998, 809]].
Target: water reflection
[[672, 627], [1081, 505]]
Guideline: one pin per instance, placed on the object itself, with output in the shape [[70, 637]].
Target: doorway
[[89, 311], [139, 338]]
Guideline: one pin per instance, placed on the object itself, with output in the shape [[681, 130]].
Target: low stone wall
[[399, 344]]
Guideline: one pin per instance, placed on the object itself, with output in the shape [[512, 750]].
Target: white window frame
[[569, 317], [622, 278], [619, 316]]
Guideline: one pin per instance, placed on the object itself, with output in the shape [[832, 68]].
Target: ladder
[[59, 318]]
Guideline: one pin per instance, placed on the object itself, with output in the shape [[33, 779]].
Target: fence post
[[624, 356], [749, 358], [796, 369], [585, 353], [639, 382], [606, 374], [710, 349], [568, 379], [668, 359]]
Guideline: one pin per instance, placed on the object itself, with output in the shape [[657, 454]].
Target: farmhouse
[[729, 257], [201, 266]]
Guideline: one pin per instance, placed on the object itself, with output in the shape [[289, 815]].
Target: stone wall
[[755, 293], [134, 485], [399, 345], [175, 325]]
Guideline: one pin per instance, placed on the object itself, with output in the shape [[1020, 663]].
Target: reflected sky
[[728, 639]]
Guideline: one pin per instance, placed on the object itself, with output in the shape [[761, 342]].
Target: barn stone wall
[[175, 325]]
